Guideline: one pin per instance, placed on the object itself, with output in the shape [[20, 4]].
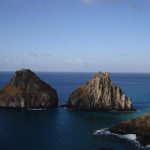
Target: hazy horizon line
[[79, 72]]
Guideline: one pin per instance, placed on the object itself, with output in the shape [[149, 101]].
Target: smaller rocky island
[[139, 126], [99, 94], [26, 90]]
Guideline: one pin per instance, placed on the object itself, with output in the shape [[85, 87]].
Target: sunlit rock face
[[26, 90], [99, 94]]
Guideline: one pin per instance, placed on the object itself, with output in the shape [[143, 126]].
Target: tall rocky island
[[26, 90], [99, 94]]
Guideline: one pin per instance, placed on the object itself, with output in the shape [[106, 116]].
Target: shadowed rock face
[[139, 126], [99, 94], [26, 90]]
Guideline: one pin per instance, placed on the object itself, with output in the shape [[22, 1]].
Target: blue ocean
[[63, 129]]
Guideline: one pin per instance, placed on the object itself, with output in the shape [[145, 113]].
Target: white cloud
[[12, 0], [107, 2], [39, 54], [137, 7], [3, 59], [134, 5], [88, 2], [74, 61]]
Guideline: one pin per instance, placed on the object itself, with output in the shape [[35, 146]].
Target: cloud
[[49, 5], [3, 59], [137, 7], [75, 61], [124, 54], [13, 1], [39, 55], [90, 2]]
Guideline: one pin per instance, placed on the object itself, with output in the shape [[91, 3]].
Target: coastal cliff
[[26, 90], [139, 126], [99, 94]]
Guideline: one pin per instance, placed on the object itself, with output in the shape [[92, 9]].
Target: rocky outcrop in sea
[[99, 94], [139, 126], [26, 90]]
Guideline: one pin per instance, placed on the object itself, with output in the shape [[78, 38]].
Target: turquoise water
[[65, 129]]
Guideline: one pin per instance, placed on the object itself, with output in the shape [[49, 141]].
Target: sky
[[75, 35]]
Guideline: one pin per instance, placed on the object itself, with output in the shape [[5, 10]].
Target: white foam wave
[[129, 137], [103, 131], [147, 147], [36, 109]]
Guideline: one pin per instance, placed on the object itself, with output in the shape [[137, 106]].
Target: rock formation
[[139, 126], [99, 94], [26, 90]]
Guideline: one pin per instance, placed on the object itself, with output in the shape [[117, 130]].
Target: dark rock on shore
[[139, 126], [99, 94], [26, 90]]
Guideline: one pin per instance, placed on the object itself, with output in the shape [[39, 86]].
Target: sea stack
[[26, 90], [139, 126], [99, 94]]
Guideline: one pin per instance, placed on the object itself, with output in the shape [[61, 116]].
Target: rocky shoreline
[[139, 126], [136, 131]]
